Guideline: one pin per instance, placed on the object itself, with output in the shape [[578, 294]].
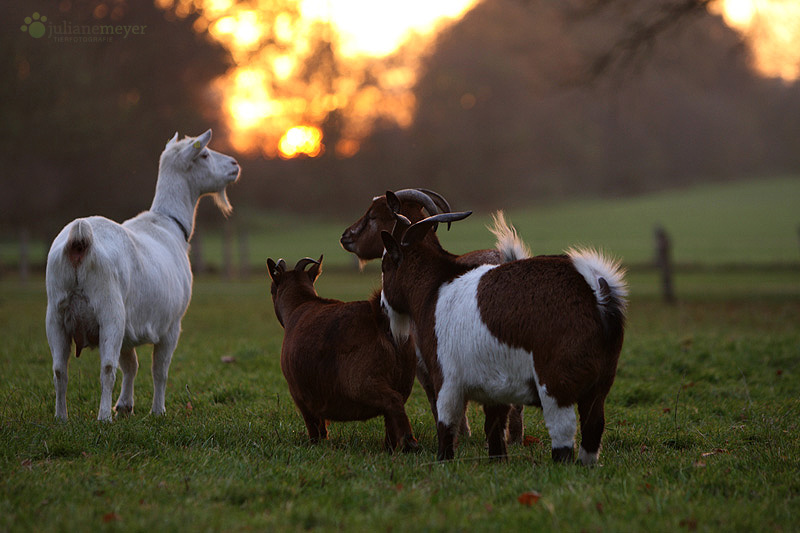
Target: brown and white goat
[[544, 331], [339, 358], [363, 238]]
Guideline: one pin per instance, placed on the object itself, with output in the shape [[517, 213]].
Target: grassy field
[[702, 422]]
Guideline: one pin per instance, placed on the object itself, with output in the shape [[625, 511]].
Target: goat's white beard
[[221, 199]]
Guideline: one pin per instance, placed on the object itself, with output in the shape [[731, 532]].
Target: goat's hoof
[[124, 410], [563, 455], [410, 444]]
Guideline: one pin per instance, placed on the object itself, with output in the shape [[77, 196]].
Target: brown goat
[[339, 358], [545, 331], [363, 238]]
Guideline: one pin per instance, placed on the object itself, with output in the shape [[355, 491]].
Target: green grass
[[702, 431], [749, 222], [702, 422]]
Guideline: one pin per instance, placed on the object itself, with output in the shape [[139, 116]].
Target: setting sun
[[772, 31], [305, 140], [296, 62]]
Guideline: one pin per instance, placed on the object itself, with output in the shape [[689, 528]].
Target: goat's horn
[[281, 265], [418, 230], [303, 263], [419, 196], [438, 199]]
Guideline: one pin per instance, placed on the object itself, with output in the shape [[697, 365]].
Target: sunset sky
[[276, 109]]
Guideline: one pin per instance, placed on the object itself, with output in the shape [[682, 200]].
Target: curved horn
[[303, 263], [418, 230], [419, 196], [439, 200], [282, 265]]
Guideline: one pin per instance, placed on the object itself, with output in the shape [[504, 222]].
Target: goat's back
[[138, 269], [332, 350]]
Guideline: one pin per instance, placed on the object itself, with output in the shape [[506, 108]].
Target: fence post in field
[[24, 254], [244, 252], [227, 249], [664, 263], [196, 252]]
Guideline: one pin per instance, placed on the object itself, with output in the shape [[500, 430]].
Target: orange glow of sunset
[[771, 29], [299, 62]]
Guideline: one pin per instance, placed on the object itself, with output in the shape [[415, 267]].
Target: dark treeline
[[518, 103]]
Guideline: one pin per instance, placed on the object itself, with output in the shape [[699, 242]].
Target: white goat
[[117, 286]]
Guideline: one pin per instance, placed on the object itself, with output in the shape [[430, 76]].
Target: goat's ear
[[392, 248], [401, 224], [197, 145], [393, 202], [275, 270], [174, 138]]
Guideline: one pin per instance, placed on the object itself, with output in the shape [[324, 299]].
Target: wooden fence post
[[664, 263], [227, 249]]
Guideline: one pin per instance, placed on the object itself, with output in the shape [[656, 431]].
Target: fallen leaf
[[189, 408], [111, 517], [27, 463], [688, 523], [599, 507], [779, 372], [529, 498], [666, 410], [228, 359], [530, 440], [699, 464], [715, 451]]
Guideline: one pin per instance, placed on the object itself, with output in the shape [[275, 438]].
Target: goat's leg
[[398, 428], [316, 426], [425, 380], [495, 428], [450, 404], [162, 356], [561, 424], [129, 364], [59, 347], [516, 425], [592, 412], [110, 347]]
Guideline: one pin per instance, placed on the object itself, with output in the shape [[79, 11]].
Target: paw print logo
[[34, 25]]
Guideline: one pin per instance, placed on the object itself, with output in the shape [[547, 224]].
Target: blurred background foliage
[[516, 103]]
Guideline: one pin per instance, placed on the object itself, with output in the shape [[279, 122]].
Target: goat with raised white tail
[[117, 286], [544, 331]]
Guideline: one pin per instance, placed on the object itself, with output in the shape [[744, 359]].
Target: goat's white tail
[[508, 244], [79, 242], [606, 277]]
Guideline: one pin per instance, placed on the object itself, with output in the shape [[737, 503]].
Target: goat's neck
[[433, 271], [175, 199], [292, 298]]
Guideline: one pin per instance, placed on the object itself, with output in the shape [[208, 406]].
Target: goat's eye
[[204, 155]]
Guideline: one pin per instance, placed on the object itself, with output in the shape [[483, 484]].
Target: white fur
[[399, 323], [134, 282], [477, 366], [508, 243], [593, 265]]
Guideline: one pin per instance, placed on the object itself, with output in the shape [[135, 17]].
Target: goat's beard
[[221, 199]]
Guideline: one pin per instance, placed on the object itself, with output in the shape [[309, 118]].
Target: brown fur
[[340, 360]]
